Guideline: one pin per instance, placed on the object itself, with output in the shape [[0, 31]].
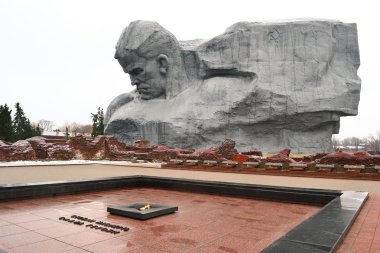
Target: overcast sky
[[56, 57]]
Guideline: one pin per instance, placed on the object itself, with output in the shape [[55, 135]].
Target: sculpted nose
[[135, 82]]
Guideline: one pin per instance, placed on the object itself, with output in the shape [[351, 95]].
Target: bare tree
[[75, 128], [46, 125], [335, 142], [65, 128], [370, 143], [355, 141], [346, 142], [373, 143], [352, 143], [86, 129]]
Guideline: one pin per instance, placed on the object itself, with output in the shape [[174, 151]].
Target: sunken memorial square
[[267, 85]]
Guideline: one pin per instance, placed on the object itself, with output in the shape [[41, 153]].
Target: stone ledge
[[192, 161], [210, 163], [354, 167], [230, 162], [254, 164], [299, 165], [330, 166], [273, 166], [175, 161]]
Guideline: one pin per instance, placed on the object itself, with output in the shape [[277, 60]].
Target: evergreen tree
[[94, 124], [97, 123], [100, 121], [38, 130], [21, 125], [6, 130], [19, 122]]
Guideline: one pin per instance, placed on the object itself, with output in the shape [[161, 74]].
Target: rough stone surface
[[40, 147], [102, 147], [4, 151], [51, 151], [60, 152], [357, 158], [312, 158], [164, 153], [281, 157], [142, 143], [267, 85], [223, 152], [253, 152], [240, 158], [109, 148], [19, 151], [37, 148]]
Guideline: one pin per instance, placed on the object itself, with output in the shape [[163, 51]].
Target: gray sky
[[56, 57]]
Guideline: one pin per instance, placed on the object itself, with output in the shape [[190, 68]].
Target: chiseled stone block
[[192, 162], [229, 164], [330, 166], [210, 163], [297, 166], [325, 167], [273, 165], [248, 83], [175, 161], [251, 164], [354, 167]]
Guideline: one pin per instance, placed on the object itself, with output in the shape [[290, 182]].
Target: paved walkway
[[364, 235], [34, 174]]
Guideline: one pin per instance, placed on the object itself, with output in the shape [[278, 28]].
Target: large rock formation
[[357, 158], [51, 151], [21, 150], [108, 148], [102, 147], [266, 85]]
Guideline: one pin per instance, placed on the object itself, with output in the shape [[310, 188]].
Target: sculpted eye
[[136, 71]]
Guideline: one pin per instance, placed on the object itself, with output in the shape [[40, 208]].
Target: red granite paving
[[364, 235], [204, 223]]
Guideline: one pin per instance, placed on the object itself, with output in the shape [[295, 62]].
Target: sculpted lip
[[143, 90]]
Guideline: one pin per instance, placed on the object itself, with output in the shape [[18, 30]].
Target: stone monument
[[267, 85]]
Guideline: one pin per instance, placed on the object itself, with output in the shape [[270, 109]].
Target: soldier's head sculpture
[[151, 56], [268, 85]]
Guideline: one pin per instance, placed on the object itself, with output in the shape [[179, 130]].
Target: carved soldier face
[[149, 75]]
